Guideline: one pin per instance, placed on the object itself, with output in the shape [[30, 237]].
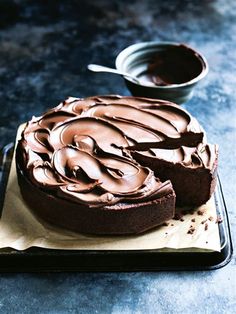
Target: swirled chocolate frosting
[[82, 149]]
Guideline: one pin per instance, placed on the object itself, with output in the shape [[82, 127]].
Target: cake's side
[[125, 218]]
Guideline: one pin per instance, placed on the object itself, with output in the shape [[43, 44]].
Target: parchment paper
[[20, 229]]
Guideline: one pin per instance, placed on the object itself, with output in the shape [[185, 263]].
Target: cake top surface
[[82, 149]]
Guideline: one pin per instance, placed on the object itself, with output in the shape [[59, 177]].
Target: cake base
[[118, 219]]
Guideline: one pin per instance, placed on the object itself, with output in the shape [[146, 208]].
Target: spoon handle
[[101, 68]]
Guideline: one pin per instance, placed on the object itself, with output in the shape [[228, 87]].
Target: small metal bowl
[[186, 66]]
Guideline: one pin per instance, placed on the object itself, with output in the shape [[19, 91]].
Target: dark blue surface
[[44, 49]]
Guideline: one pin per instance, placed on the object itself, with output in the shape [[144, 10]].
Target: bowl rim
[[135, 47]]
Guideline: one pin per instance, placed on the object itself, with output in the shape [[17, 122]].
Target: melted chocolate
[[82, 149], [174, 65]]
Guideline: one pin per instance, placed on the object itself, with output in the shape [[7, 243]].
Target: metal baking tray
[[38, 259]]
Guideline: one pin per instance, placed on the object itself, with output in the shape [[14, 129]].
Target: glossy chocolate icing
[[82, 150], [174, 65]]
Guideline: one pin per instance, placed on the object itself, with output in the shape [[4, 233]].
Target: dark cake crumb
[[165, 224], [172, 224], [219, 220], [203, 221], [178, 216], [181, 219], [211, 218], [191, 230], [200, 212], [206, 226], [193, 219]]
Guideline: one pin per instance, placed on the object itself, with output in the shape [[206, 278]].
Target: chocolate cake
[[113, 164]]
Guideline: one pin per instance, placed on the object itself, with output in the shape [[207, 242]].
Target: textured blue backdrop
[[44, 49]]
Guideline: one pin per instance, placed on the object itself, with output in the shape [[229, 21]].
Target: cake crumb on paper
[[178, 216], [165, 224], [191, 230], [219, 219], [200, 212]]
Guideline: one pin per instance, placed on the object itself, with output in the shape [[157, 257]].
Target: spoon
[[101, 68]]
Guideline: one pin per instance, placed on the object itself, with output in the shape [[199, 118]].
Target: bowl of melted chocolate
[[164, 70]]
